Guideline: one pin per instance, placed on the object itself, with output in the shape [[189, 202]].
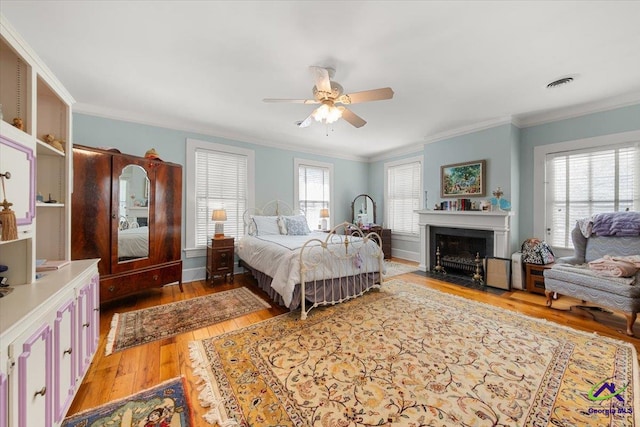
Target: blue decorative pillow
[[297, 225]]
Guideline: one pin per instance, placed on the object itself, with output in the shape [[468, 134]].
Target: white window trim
[[296, 183], [539, 158], [191, 250], [408, 237]]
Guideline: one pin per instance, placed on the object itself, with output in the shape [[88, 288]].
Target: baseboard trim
[[407, 255]]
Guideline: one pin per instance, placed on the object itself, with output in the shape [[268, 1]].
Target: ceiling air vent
[[560, 82]]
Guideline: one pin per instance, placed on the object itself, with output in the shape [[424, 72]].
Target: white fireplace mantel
[[497, 221]]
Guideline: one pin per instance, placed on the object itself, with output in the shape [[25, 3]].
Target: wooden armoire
[[127, 211]]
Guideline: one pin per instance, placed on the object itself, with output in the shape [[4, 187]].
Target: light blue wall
[[619, 120], [507, 149], [509, 154], [274, 167], [497, 145]]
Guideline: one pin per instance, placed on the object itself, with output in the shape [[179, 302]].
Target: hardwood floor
[[126, 372]]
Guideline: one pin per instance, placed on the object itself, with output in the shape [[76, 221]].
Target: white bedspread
[[278, 257], [133, 242]]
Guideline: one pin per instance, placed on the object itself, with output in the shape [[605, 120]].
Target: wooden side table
[[534, 276], [220, 258]]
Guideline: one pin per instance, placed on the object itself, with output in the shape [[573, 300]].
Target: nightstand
[[535, 277], [220, 258]]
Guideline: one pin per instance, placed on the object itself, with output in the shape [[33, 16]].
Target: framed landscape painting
[[463, 179]]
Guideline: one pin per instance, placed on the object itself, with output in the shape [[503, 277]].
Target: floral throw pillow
[[297, 226]]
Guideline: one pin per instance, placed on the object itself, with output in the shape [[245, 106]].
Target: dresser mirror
[[133, 211], [363, 210]]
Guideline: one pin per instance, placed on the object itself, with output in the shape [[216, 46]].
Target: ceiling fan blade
[[306, 122], [352, 118], [366, 96], [292, 101], [321, 78]]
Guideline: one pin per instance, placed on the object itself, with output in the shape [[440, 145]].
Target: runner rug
[[394, 268], [166, 404], [163, 321], [408, 355]]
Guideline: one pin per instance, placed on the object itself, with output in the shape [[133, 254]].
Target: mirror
[[133, 211], [363, 210]]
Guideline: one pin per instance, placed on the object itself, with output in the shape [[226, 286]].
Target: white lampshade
[[219, 215]]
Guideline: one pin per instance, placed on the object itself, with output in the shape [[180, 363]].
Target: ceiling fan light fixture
[[327, 113]]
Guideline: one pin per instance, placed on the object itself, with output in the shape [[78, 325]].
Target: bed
[[281, 253]]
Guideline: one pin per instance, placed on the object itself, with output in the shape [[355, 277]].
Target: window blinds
[[314, 189], [403, 197], [586, 182], [221, 182]]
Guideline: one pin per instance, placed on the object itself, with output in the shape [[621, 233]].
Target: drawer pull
[[156, 277], [85, 325], [112, 288], [40, 392], [67, 351]]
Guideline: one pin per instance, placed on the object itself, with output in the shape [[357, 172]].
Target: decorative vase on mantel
[[497, 193]]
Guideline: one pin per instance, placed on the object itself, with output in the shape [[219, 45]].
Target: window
[[403, 187], [313, 188], [219, 176], [584, 182]]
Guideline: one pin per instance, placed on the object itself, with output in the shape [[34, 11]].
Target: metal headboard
[[271, 208]]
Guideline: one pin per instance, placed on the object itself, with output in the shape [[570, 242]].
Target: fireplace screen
[[498, 272], [460, 251]]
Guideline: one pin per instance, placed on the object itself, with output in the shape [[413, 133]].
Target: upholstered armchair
[[572, 276]]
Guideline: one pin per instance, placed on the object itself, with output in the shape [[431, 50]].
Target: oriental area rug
[[407, 355], [163, 405], [163, 321]]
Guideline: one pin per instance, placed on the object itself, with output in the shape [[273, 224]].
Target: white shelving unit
[[30, 92], [49, 325]]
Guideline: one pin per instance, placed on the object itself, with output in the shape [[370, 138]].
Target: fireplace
[[491, 223], [459, 247]]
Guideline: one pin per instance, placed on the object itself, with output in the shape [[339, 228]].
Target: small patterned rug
[[394, 268], [167, 320], [166, 404], [412, 356]]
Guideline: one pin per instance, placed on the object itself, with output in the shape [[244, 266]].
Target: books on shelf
[[50, 265], [458, 205]]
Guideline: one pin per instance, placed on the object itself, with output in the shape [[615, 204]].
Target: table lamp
[[219, 216], [324, 214]]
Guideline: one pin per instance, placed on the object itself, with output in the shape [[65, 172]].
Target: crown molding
[[397, 152], [151, 120], [520, 121], [549, 116], [464, 130]]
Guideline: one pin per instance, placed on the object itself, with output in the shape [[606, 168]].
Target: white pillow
[[266, 225]]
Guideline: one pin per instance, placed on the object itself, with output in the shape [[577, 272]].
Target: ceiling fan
[[329, 93]]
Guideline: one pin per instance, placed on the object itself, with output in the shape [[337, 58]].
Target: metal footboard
[[342, 266]]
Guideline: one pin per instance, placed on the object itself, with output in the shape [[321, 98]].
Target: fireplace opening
[[458, 249]]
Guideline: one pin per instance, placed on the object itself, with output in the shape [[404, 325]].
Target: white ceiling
[[205, 66]]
